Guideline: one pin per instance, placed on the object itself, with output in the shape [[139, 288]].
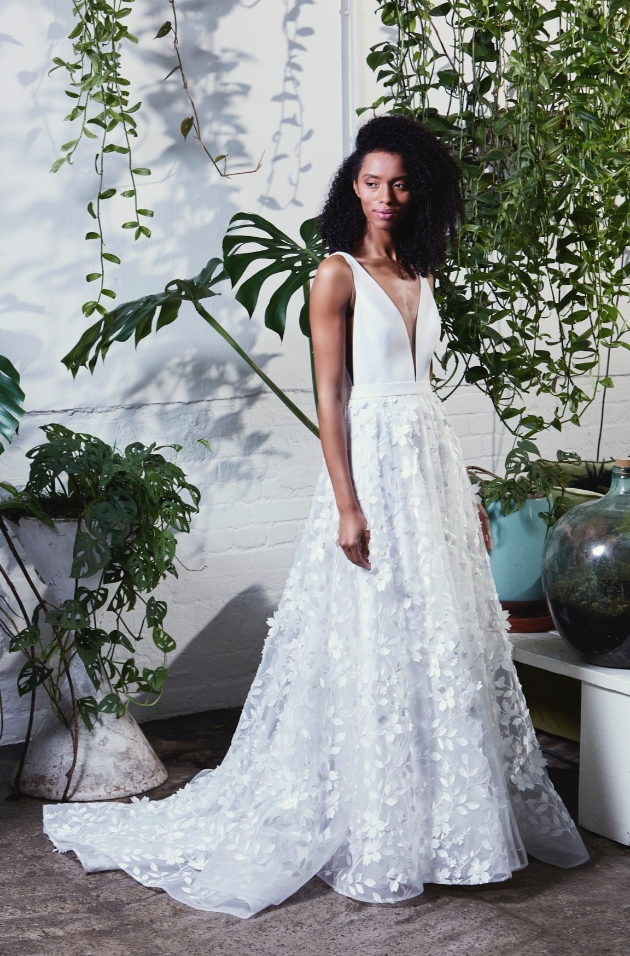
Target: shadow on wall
[[286, 165], [217, 667], [200, 204]]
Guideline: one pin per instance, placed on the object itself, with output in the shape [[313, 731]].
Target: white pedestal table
[[604, 795]]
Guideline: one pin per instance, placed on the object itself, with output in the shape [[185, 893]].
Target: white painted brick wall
[[185, 383]]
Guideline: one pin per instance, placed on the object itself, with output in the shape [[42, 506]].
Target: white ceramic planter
[[115, 759]]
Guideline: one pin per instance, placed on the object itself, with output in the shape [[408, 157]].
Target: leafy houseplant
[[527, 478], [123, 507], [533, 100]]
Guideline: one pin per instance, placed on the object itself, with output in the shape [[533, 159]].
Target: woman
[[385, 741]]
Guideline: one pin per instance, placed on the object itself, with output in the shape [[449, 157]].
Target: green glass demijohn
[[586, 574]]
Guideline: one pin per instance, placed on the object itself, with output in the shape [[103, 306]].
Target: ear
[[355, 187]]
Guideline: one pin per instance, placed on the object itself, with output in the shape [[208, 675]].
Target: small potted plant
[[98, 524], [522, 506]]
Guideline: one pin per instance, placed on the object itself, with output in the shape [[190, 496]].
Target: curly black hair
[[434, 180]]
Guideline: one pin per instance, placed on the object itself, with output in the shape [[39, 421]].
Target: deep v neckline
[[413, 343]]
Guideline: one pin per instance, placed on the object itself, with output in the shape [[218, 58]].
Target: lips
[[385, 213]]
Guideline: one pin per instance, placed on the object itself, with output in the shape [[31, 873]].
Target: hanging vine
[[102, 109], [193, 123], [535, 103], [102, 112]]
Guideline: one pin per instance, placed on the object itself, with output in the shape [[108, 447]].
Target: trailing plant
[[527, 477], [193, 123], [535, 103], [126, 505], [101, 107]]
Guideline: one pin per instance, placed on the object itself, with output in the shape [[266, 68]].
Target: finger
[[354, 555], [365, 546]]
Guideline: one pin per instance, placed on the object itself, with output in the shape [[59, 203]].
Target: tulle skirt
[[385, 741]]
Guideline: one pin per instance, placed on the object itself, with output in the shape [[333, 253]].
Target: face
[[383, 188]]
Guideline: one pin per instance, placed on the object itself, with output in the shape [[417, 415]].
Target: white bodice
[[381, 349]]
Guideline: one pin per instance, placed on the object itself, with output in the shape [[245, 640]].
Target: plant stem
[[75, 735], [299, 414], [25, 746], [196, 122], [601, 417]]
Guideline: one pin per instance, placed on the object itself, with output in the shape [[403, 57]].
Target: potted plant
[[97, 523], [522, 506]]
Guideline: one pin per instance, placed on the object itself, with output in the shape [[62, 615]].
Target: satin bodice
[[381, 348]]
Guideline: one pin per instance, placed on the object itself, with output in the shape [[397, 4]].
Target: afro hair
[[434, 180]]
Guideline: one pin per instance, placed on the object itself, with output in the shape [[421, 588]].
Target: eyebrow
[[377, 176]]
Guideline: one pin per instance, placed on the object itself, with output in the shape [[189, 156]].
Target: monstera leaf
[[136, 317], [284, 255], [11, 401]]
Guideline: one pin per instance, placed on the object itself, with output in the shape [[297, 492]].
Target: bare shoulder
[[334, 282], [334, 268]]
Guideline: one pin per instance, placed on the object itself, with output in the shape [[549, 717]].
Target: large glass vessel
[[586, 574]]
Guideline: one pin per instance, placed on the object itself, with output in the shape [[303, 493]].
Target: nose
[[387, 194]]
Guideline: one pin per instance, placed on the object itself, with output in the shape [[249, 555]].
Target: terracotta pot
[[528, 617]]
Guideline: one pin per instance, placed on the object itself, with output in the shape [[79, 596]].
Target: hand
[[485, 526], [354, 538]]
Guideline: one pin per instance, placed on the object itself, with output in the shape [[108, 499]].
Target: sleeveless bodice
[[381, 349]]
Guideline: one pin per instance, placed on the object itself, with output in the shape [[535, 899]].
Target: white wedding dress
[[385, 741]]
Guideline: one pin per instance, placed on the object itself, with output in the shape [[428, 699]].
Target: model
[[385, 741]]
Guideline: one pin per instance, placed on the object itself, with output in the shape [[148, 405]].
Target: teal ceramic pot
[[586, 574], [518, 543]]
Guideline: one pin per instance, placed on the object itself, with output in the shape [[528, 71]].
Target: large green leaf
[[136, 317], [11, 401], [269, 244]]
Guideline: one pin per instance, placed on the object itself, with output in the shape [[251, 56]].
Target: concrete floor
[[50, 907]]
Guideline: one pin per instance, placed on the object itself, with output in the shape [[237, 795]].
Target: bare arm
[[330, 299]]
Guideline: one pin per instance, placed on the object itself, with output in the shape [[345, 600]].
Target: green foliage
[[126, 504], [527, 477], [136, 318], [535, 103], [11, 401], [284, 255], [100, 105]]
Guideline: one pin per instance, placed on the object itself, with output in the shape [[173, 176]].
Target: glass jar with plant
[[586, 573], [111, 515]]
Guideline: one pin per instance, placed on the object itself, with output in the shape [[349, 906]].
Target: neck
[[620, 483], [377, 244]]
